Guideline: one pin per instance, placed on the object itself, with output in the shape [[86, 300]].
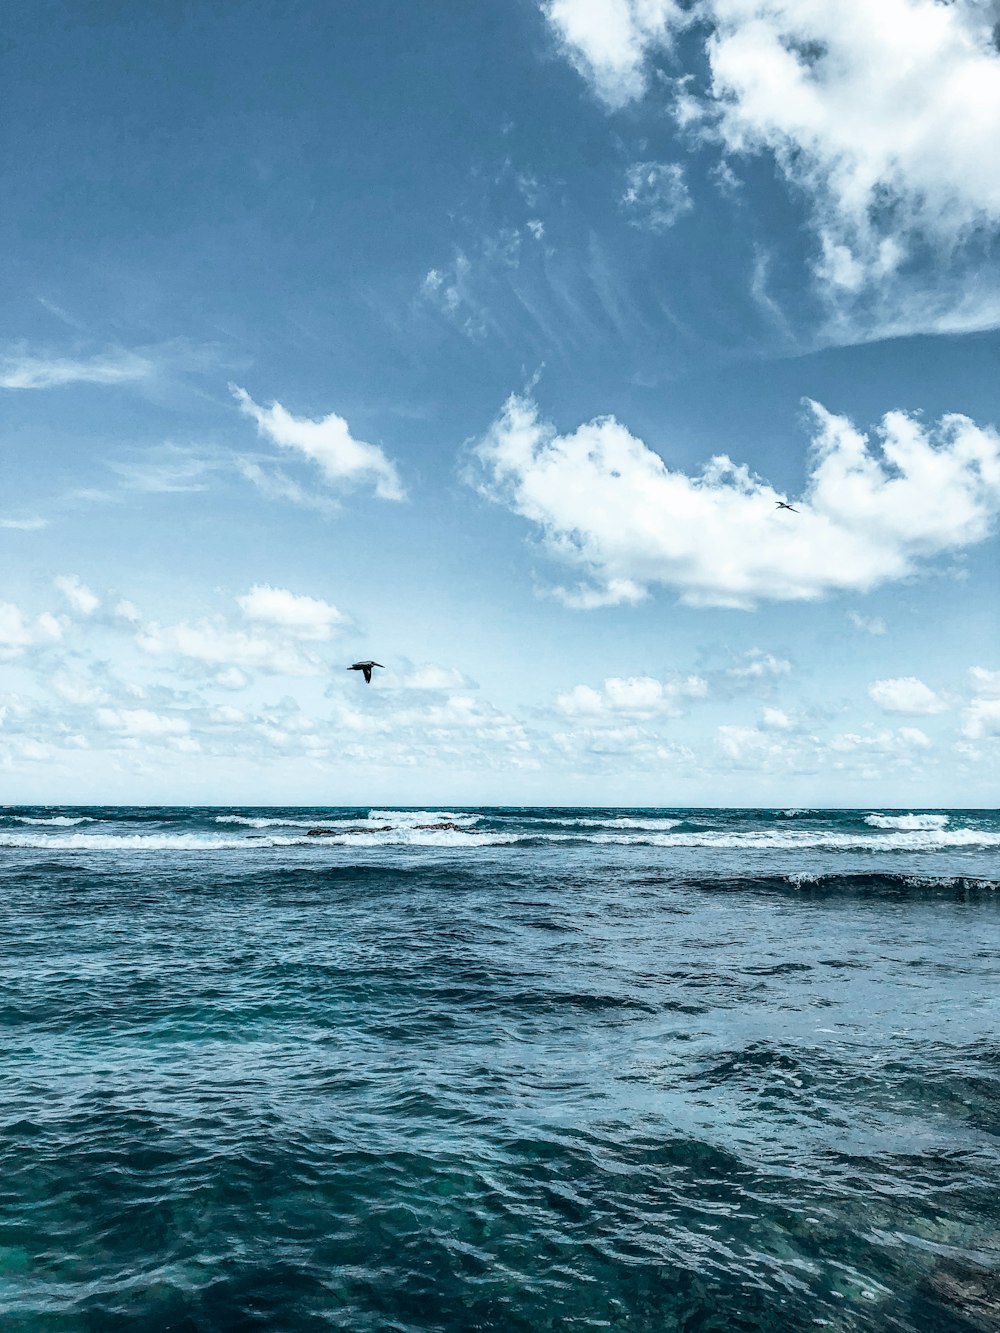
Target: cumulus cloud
[[80, 598], [24, 370], [607, 503], [656, 195], [985, 682], [758, 665], [302, 617], [981, 717], [429, 677], [141, 722], [280, 623], [775, 719], [638, 696], [76, 688], [882, 120], [327, 442], [905, 694], [900, 742], [884, 117], [18, 633], [219, 645], [608, 40]]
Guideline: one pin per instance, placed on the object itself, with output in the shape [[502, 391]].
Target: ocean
[[499, 1069]]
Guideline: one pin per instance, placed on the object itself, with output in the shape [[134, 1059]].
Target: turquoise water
[[535, 1069]]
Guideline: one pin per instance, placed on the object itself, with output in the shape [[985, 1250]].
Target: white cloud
[[218, 645], [608, 40], [775, 719], [868, 624], [273, 483], [24, 524], [232, 678], [639, 696], [607, 503], [885, 742], [757, 665], [302, 617], [327, 442], [982, 719], [429, 677], [22, 370], [882, 118], [166, 469], [450, 290], [77, 689], [140, 722], [886, 118], [80, 598], [985, 682], [656, 195], [17, 633], [906, 694]]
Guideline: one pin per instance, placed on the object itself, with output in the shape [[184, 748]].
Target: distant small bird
[[366, 667], [780, 504]]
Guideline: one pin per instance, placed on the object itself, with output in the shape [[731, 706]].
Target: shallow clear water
[[542, 1069]]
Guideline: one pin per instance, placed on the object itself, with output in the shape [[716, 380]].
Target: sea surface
[[499, 1069]]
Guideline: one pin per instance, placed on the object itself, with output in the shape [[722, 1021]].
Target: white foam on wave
[[624, 821], [250, 821], [54, 821], [791, 840], [910, 822], [908, 840], [137, 842], [402, 818], [423, 838]]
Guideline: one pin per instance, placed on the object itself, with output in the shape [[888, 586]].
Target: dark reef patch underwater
[[536, 1069]]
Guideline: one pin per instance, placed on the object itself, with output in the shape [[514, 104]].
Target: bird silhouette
[[366, 667], [780, 504]]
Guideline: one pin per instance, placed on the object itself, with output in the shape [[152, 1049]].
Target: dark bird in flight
[[366, 667], [780, 504]]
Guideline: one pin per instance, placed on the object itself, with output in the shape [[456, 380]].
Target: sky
[[483, 340]]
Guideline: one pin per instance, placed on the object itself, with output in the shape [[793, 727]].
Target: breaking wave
[[921, 822], [53, 821]]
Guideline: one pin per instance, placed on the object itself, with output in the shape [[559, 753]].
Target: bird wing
[[378, 664], [368, 674]]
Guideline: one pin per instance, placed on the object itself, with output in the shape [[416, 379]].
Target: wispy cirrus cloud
[[607, 504], [21, 369], [24, 524]]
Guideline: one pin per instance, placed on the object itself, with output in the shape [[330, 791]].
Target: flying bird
[[366, 667], [780, 504]]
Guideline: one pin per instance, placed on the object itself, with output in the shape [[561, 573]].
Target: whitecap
[[911, 822], [54, 821]]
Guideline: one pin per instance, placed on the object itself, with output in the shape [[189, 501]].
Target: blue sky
[[482, 341]]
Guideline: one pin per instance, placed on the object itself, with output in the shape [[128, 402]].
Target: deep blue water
[[545, 1069]]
